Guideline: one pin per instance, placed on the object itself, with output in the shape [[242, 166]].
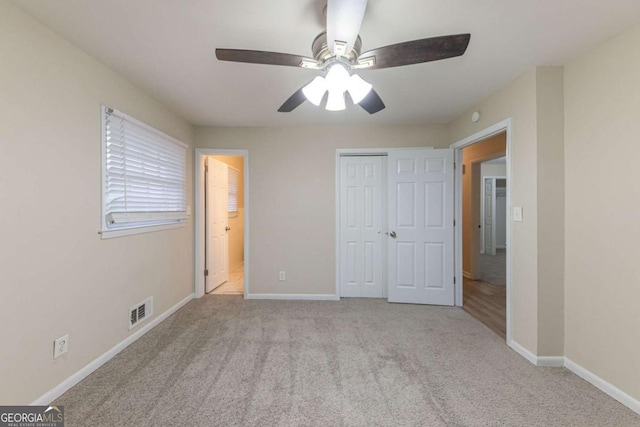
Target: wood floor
[[487, 303]]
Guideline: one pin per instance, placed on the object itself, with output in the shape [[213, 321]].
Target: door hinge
[[206, 168], [206, 272], [454, 280], [454, 222]]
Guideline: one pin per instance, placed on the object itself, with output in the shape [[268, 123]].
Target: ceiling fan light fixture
[[337, 78], [358, 88], [314, 91], [335, 102]]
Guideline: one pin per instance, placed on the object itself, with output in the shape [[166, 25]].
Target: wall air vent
[[140, 312]]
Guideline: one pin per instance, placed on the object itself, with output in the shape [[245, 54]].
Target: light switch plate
[[517, 213]]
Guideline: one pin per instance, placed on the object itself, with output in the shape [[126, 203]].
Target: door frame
[[503, 126], [200, 154]]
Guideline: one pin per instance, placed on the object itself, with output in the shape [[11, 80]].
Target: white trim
[[503, 126], [297, 297], [110, 234], [524, 352], [74, 379], [199, 215], [598, 382], [550, 361], [608, 388], [542, 361]]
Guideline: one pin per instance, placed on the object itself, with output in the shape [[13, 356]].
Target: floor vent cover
[[141, 311]]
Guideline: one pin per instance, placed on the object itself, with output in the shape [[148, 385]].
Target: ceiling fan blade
[[293, 102], [261, 57], [416, 51], [372, 103], [344, 18]]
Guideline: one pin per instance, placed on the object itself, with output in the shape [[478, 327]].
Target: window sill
[[121, 232]]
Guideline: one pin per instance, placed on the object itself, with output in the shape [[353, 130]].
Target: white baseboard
[[524, 352], [550, 361], [603, 385], [74, 379], [302, 297], [561, 361], [543, 361]]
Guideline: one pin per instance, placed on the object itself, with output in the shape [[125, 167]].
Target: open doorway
[[484, 190], [474, 220], [224, 225], [222, 222]]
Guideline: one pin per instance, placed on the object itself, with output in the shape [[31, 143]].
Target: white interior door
[[361, 226], [217, 217], [500, 216], [420, 243], [488, 222]]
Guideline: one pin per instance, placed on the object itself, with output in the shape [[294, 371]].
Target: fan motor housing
[[322, 54]]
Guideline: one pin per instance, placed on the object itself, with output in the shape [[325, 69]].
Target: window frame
[[134, 227], [236, 212]]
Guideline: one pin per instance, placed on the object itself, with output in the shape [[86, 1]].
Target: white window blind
[[232, 183], [144, 174]]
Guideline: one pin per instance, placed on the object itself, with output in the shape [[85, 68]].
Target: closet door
[[420, 241], [361, 217]]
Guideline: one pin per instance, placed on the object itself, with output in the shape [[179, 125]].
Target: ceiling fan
[[337, 53]]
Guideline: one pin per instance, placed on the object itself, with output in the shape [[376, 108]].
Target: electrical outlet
[[282, 276], [60, 346]]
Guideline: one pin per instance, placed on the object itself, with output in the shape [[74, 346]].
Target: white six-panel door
[[361, 226], [217, 217], [489, 231], [420, 241]]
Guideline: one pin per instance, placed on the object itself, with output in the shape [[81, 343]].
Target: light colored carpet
[[224, 361]]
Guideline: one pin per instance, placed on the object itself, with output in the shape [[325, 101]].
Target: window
[[232, 183], [144, 176]]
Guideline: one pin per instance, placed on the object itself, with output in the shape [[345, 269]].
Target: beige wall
[[58, 276], [236, 221], [472, 156], [490, 169], [292, 195], [534, 104], [518, 102], [550, 115], [602, 276]]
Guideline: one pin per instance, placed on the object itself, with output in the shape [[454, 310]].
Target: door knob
[[393, 234], [227, 228]]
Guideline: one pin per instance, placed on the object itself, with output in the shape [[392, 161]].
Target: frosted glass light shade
[[335, 102], [358, 88], [337, 78], [315, 90]]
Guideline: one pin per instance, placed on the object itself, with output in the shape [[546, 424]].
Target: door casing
[[503, 126], [200, 155]]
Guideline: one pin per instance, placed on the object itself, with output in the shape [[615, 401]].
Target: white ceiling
[[167, 48]]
